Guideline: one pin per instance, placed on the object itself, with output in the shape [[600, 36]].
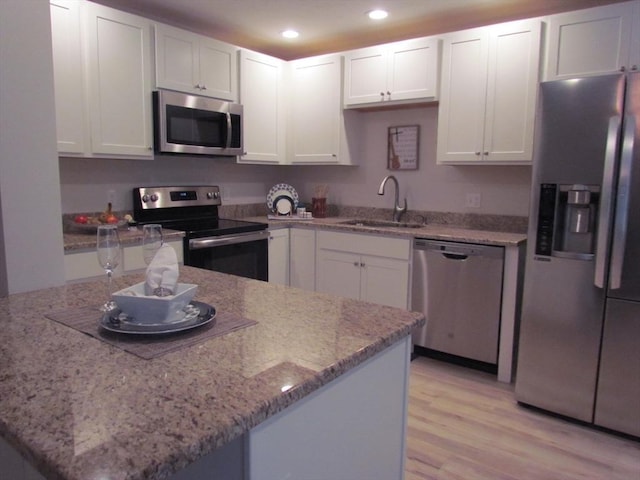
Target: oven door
[[243, 254]]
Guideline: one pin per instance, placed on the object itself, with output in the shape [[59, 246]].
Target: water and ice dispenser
[[567, 220]]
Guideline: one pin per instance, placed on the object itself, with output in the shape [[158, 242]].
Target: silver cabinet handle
[[199, 243], [606, 201], [622, 204]]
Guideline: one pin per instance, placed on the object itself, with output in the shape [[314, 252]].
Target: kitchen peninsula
[[315, 373]]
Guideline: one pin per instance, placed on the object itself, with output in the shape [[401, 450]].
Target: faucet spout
[[398, 210]]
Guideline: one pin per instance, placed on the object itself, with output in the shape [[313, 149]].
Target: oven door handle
[[209, 242]]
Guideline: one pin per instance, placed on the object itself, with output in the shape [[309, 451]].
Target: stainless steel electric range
[[230, 246]]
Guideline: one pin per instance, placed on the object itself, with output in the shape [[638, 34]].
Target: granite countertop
[[431, 231], [78, 408], [434, 231], [76, 240]]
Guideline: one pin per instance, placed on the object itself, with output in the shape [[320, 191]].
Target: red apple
[[112, 219], [81, 219]]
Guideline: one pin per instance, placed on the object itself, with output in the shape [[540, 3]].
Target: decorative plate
[[195, 315], [282, 190], [283, 205]]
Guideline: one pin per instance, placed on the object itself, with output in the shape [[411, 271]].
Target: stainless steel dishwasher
[[458, 286]]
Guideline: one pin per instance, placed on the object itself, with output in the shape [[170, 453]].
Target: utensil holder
[[319, 207]]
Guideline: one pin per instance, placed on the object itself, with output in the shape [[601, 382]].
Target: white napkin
[[162, 271]]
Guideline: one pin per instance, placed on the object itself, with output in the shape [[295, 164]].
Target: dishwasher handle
[[455, 256], [457, 250]]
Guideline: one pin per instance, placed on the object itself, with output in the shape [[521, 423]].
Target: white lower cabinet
[[364, 267], [84, 265], [279, 256], [302, 266]]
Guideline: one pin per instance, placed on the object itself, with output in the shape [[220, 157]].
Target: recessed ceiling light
[[377, 14], [290, 34]]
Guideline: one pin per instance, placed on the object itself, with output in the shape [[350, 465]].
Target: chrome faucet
[[397, 209]]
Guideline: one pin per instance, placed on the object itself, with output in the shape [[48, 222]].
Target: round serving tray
[[196, 314]]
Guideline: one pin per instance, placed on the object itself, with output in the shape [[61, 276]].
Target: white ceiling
[[334, 25]]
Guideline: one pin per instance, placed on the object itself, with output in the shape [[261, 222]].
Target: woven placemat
[[86, 320]]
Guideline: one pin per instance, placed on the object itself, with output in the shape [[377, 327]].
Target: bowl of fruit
[[90, 223]]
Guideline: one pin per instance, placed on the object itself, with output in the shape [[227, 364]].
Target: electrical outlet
[[472, 200]]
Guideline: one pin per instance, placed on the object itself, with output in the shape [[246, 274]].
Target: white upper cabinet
[[102, 73], [401, 72], [195, 64], [119, 81], [68, 76], [593, 41], [263, 98], [316, 129], [488, 94]]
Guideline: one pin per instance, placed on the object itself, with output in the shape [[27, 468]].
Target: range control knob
[[211, 195], [145, 198], [154, 197]]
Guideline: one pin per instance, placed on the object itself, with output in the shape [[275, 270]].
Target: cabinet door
[[461, 113], [593, 41], [316, 110], [385, 281], [514, 55], [68, 76], [176, 59], [365, 76], [302, 257], [338, 273], [218, 69], [119, 53], [413, 69], [261, 83], [279, 256]]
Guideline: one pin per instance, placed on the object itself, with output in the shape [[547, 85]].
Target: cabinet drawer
[[380, 246]]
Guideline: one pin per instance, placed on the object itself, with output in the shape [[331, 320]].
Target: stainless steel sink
[[380, 223]]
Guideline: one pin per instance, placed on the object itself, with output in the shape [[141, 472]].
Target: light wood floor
[[464, 425]]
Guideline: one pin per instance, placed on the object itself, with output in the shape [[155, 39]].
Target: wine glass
[[151, 241], [108, 249]]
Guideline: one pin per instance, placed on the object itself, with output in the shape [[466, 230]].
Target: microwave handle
[[229, 132]]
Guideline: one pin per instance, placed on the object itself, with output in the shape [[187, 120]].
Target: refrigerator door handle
[[622, 204], [606, 201]]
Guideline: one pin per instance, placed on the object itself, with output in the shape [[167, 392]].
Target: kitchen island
[[315, 376]]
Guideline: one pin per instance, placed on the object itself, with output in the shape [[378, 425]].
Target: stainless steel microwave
[[195, 125]]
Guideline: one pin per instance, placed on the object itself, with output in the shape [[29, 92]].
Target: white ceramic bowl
[[151, 309]]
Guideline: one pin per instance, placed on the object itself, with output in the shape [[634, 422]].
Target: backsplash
[[474, 221]]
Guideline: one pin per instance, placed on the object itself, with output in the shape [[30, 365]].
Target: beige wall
[[504, 190]]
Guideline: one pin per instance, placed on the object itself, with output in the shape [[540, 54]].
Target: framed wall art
[[403, 147]]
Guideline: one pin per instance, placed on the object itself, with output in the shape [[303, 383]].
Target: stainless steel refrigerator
[[579, 348]]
